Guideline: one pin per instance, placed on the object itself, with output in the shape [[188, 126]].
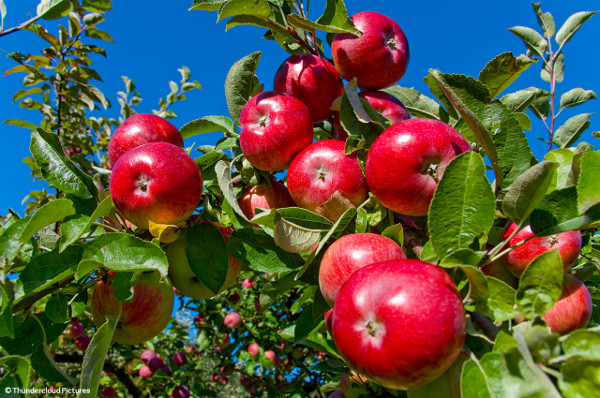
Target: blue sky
[[152, 40]]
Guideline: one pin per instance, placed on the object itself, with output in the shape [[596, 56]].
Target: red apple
[[407, 160], [157, 181], [141, 129], [234, 297], [336, 394], [145, 372], [350, 253], [155, 363], [144, 317], [232, 320], [311, 79], [82, 342], [180, 392], [320, 170], [378, 58], [498, 270], [328, 320], [400, 323], [253, 349], [273, 357], [147, 356], [265, 195], [248, 283], [182, 276], [75, 329], [107, 392], [568, 245], [574, 308], [274, 128], [166, 369], [179, 359], [388, 105]]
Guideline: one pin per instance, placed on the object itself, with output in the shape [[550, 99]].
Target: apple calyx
[[143, 182], [321, 173], [374, 328], [432, 169]]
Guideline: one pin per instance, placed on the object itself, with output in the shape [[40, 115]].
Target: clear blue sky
[[153, 39]]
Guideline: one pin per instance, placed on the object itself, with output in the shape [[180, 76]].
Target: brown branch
[[485, 324]]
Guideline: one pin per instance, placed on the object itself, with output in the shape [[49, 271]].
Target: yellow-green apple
[[388, 105], [378, 58], [320, 170], [568, 245], [144, 317], [274, 128], [408, 159], [574, 308], [183, 277], [265, 195], [400, 323], [141, 129], [350, 253], [156, 182], [311, 79]]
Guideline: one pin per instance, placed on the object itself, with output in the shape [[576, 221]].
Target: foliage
[[68, 239]]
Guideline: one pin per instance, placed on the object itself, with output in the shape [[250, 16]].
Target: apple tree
[[347, 236]]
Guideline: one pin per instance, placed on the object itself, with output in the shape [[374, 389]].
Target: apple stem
[[485, 324]]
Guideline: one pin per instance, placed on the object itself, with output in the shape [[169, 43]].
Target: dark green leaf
[[6, 318], [57, 308], [580, 378], [16, 376], [97, 5], [207, 256], [588, 185], [306, 324], [124, 284], [93, 360], [540, 107], [545, 20], [502, 300], [528, 191], [567, 134], [558, 70], [541, 284], [558, 213], [45, 366], [571, 26], [257, 8], [56, 167], [54, 9], [306, 24], [208, 124], [335, 14], [21, 123], [49, 268], [564, 159], [49, 213], [29, 334], [463, 206], [239, 84], [418, 104], [576, 96], [73, 228], [257, 250], [223, 171], [520, 100], [99, 34], [532, 39], [124, 252], [502, 71], [207, 5], [91, 19]]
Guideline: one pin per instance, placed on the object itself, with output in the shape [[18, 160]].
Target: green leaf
[[57, 308], [9, 239], [335, 14], [223, 172], [124, 252], [294, 238], [576, 96], [257, 8], [49, 213], [463, 206], [501, 300], [21, 123], [564, 159], [580, 378], [124, 284], [57, 168], [558, 70], [306, 324], [92, 19], [396, 233], [207, 5], [54, 9], [239, 84], [418, 104], [588, 185], [45, 366], [97, 5], [208, 124], [532, 39], [207, 255], [48, 269], [558, 213], [257, 250], [29, 334], [545, 20], [520, 100], [358, 117], [540, 107], [474, 383], [95, 355], [306, 24], [100, 35], [16, 376], [6, 317], [73, 228], [528, 191], [572, 25], [567, 134], [541, 284], [502, 71], [582, 343]]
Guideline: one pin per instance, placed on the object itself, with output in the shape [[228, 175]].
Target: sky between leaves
[[153, 38]]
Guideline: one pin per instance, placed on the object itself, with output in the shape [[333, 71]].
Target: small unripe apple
[[232, 320], [274, 128], [378, 58], [311, 79], [265, 195], [179, 359], [568, 245], [141, 129]]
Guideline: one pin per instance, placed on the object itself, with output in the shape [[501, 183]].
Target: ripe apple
[[273, 357], [75, 329], [407, 160], [147, 356], [180, 392], [265, 195], [157, 181], [182, 276], [141, 129], [378, 58], [388, 105], [82, 342], [568, 245], [274, 128], [406, 307], [311, 79], [232, 320], [166, 369], [350, 253], [498, 270], [107, 392], [155, 363], [145, 372], [320, 170], [253, 349], [248, 283], [144, 317], [574, 308], [179, 358]]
